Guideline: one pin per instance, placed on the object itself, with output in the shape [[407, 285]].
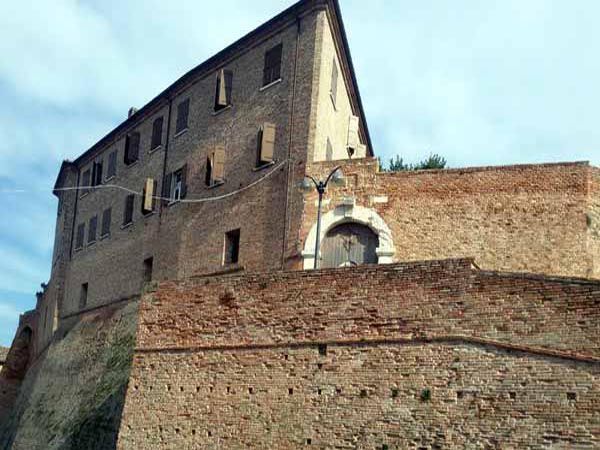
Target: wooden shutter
[[128, 212], [334, 81], [157, 127], [166, 188], [184, 181], [267, 147], [182, 115], [106, 217], [135, 147], [92, 229], [112, 165], [228, 76], [221, 89], [148, 195], [218, 161], [209, 167], [353, 138], [154, 190], [80, 235], [85, 182]]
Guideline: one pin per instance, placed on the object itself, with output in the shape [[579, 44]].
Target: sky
[[480, 83]]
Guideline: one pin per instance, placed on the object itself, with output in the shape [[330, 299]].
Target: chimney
[[131, 111]]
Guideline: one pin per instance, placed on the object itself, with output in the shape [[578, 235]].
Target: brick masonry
[[417, 355]]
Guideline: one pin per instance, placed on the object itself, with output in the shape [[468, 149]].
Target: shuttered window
[[334, 82], [157, 128], [272, 69], [80, 236], [215, 166], [149, 200], [97, 173], [353, 137], [128, 210], [92, 228], [223, 91], [132, 148], [183, 110], [85, 182], [111, 170], [266, 144], [106, 218]]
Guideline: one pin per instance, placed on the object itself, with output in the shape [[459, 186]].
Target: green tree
[[433, 161]]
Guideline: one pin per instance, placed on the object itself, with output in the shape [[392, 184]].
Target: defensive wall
[[541, 218], [435, 354]]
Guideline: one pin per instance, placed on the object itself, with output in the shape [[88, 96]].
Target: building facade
[[207, 177]]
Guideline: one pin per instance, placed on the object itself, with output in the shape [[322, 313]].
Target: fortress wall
[[402, 356], [525, 218], [73, 393]]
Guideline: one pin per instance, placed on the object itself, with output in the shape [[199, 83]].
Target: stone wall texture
[[418, 355]]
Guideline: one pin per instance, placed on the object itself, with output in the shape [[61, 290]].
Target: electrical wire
[[157, 197]]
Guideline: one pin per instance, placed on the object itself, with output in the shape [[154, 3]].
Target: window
[[266, 144], [128, 211], [97, 173], [329, 152], [232, 247], [149, 199], [83, 296], [223, 93], [334, 82], [215, 166], [157, 128], [106, 218], [174, 185], [272, 70], [85, 182], [183, 110], [353, 136], [111, 171], [132, 148], [148, 263], [92, 229], [80, 236]]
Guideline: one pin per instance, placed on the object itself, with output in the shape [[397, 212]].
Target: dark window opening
[[183, 110], [111, 170], [128, 211], [106, 217], [83, 296], [322, 349], [132, 148], [223, 91], [85, 182], [92, 229], [148, 263], [232, 247], [157, 128], [97, 173], [80, 236], [176, 185], [272, 69]]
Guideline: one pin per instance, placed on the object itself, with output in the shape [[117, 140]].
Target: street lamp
[[336, 177]]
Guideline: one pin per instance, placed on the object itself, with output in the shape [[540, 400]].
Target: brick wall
[[529, 218], [409, 356]]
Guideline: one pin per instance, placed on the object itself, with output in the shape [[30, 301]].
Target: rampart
[[431, 354]]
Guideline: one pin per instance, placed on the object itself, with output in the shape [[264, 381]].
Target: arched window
[[349, 244]]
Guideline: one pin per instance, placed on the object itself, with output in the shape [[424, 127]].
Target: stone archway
[[351, 214]]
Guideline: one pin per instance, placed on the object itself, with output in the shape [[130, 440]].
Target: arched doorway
[[349, 244]]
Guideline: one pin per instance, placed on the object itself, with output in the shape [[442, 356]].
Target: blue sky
[[493, 82]]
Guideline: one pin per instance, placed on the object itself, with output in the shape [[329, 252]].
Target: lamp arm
[[313, 180], [331, 174]]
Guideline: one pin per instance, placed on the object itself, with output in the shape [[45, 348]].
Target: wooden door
[[349, 244]]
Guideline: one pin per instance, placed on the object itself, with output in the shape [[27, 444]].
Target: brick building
[[206, 179]]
